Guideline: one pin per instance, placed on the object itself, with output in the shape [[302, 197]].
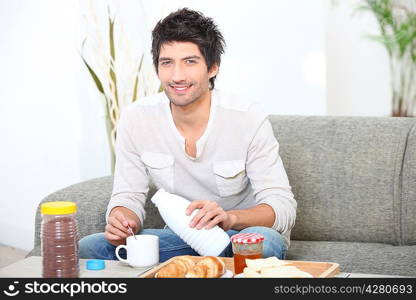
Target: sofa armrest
[[92, 197]]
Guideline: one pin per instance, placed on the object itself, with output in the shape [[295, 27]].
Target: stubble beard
[[181, 100]]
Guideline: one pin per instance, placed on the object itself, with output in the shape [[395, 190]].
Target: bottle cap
[[247, 238], [95, 264], [58, 208]]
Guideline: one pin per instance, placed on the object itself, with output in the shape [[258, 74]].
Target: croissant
[[189, 262], [185, 267], [208, 267], [175, 269]]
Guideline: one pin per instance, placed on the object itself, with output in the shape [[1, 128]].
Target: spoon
[[131, 232]]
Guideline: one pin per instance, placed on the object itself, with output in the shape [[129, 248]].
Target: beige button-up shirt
[[237, 161]]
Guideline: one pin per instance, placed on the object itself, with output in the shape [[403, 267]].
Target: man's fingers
[[208, 216], [194, 205], [195, 220], [214, 222], [119, 221], [208, 211], [211, 219], [133, 225], [117, 224], [121, 218], [202, 222], [205, 216], [115, 231], [111, 237]]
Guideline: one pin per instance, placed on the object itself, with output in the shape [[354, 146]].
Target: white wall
[[50, 128], [358, 78], [52, 122], [275, 49]]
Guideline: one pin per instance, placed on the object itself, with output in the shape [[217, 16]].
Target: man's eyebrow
[[185, 58], [191, 57]]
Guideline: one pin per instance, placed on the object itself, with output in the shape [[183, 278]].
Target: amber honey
[[240, 261], [246, 246]]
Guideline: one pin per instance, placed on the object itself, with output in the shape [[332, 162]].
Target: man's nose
[[178, 74]]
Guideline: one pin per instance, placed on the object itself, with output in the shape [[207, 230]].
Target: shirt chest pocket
[[230, 177], [160, 168]]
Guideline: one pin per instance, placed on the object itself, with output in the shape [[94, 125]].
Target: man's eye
[[191, 61], [164, 63]]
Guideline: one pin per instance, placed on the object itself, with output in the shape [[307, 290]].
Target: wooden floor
[[9, 255]]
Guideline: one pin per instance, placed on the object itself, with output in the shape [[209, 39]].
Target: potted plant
[[119, 77], [397, 23]]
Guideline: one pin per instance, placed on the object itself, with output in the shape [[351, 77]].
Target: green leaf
[[386, 41], [111, 32], [113, 56], [94, 76], [136, 81]]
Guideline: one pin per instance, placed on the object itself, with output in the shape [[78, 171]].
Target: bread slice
[[259, 263], [283, 272], [250, 273]]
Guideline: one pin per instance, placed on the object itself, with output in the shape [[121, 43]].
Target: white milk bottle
[[207, 242]]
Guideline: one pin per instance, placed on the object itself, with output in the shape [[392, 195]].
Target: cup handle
[[118, 256]]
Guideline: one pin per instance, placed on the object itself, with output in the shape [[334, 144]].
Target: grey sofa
[[354, 179]]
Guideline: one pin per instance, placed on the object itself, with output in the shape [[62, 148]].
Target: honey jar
[[246, 245], [59, 239]]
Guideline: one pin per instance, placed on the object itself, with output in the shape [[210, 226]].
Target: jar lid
[[247, 238], [95, 264], [58, 208]]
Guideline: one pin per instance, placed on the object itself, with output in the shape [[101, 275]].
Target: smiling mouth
[[180, 89]]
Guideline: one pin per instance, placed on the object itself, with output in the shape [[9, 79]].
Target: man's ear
[[213, 71]]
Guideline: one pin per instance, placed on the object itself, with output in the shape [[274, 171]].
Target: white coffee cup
[[142, 251]]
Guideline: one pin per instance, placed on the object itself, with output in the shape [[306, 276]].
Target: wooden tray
[[316, 269]]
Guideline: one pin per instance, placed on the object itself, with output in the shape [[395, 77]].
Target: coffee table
[[32, 267]]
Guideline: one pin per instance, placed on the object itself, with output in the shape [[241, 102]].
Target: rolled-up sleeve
[[131, 182], [269, 179]]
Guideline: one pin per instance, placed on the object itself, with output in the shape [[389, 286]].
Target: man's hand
[[116, 231], [209, 215]]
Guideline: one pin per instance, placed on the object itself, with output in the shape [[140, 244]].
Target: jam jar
[[246, 245]]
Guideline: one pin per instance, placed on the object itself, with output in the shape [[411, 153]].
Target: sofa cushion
[[369, 258], [345, 173], [409, 191]]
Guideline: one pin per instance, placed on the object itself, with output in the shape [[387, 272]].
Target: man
[[212, 148]]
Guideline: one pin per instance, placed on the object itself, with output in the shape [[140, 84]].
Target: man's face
[[183, 72]]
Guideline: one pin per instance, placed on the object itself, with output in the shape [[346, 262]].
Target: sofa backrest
[[354, 178]]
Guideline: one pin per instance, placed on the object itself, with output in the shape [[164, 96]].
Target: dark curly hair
[[187, 25]]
